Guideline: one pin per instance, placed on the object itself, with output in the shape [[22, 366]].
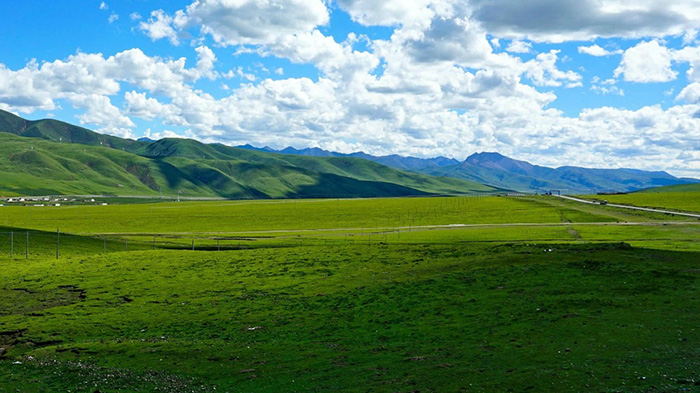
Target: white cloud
[[647, 62], [690, 55], [113, 18], [388, 12], [519, 47], [690, 94], [604, 90], [104, 6], [335, 60], [240, 22], [134, 16], [544, 72], [597, 51], [160, 25]]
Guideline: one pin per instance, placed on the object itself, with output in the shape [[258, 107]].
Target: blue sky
[[600, 85]]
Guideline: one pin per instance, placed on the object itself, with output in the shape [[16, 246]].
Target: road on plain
[[629, 207]]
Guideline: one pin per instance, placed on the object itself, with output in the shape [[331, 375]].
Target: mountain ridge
[[498, 170], [53, 160], [490, 168]]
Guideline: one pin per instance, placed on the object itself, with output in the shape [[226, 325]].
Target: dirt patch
[[30, 301], [9, 339]]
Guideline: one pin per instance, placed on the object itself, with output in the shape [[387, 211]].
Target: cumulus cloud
[[243, 22], [597, 51], [388, 12], [87, 81], [647, 62], [519, 47], [161, 25], [690, 94]]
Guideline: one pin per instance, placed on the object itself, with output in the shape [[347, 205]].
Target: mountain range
[[54, 157], [503, 172], [48, 157]]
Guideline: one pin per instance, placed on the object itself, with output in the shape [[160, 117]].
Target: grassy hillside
[[31, 166], [677, 188], [58, 131]]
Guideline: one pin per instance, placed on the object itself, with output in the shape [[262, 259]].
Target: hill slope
[[39, 167], [694, 187], [58, 131], [503, 172], [500, 171]]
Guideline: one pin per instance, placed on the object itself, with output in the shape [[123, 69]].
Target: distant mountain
[[73, 160], [492, 169], [395, 161], [499, 171]]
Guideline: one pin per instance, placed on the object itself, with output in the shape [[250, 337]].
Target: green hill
[[31, 166], [694, 187], [58, 131]]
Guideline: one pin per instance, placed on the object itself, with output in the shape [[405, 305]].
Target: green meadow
[[476, 294], [679, 201]]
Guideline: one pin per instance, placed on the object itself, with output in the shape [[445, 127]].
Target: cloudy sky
[[595, 83]]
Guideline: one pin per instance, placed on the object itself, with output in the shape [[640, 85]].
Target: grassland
[[688, 201], [382, 295]]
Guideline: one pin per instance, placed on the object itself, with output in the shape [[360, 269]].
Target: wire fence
[[41, 245]]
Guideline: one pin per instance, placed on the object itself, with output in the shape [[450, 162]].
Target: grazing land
[[379, 295], [680, 201]]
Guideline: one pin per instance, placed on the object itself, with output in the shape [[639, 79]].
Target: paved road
[[631, 207]]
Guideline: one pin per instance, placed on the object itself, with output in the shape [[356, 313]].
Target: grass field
[[383, 295], [681, 201]]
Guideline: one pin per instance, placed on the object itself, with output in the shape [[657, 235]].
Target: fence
[[42, 245]]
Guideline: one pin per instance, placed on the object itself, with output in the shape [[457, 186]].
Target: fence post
[[126, 244], [192, 244]]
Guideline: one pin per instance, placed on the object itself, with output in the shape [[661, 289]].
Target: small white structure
[[58, 204]]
